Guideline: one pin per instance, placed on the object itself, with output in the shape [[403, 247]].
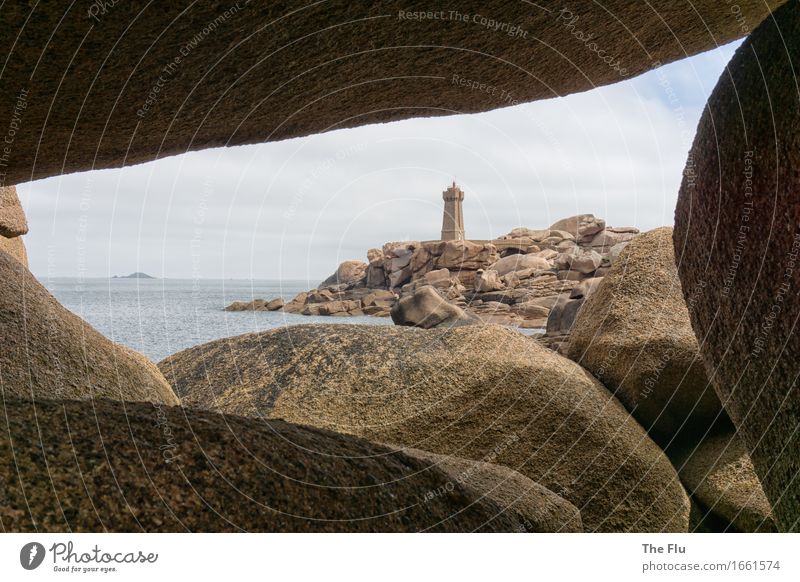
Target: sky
[[295, 209]]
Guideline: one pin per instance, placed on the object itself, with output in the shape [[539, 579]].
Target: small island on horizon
[[137, 275]]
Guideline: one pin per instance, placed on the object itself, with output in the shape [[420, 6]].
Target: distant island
[[134, 276]]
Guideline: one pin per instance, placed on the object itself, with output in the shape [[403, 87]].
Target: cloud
[[295, 209]]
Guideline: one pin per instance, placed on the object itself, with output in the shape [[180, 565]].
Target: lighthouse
[[453, 219]]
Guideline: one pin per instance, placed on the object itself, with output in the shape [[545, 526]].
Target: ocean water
[[159, 317]]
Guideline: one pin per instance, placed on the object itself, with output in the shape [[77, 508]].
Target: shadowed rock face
[[108, 466], [48, 352], [719, 474], [740, 197], [634, 335], [479, 392], [101, 84], [14, 247]]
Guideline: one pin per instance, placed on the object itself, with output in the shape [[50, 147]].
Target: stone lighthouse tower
[[453, 219]]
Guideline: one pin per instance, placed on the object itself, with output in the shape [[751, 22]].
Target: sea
[[159, 317]]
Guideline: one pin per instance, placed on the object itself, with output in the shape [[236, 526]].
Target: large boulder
[[457, 255], [348, 273], [14, 247], [164, 96], [583, 226], [520, 263], [426, 308], [718, 473], [488, 280], [562, 315], [12, 217], [583, 262], [74, 467], [538, 508], [48, 352], [738, 246], [481, 392], [633, 334]]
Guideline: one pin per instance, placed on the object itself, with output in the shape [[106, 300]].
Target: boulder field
[[516, 279], [50, 353], [737, 244], [13, 225], [67, 466], [480, 392]]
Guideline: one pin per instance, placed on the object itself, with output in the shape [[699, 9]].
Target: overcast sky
[[297, 208]]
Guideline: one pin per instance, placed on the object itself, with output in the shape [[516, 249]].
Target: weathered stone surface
[[376, 275], [458, 255], [68, 466], [532, 310], [739, 196], [583, 226], [348, 273], [585, 288], [604, 240], [488, 280], [562, 315], [584, 262], [480, 392], [378, 297], [425, 308], [538, 508], [719, 473], [254, 305], [570, 275], [520, 263], [229, 92], [12, 217], [14, 247], [633, 334], [437, 277], [275, 304], [50, 353]]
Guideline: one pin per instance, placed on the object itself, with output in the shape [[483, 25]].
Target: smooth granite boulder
[[71, 466], [481, 392], [50, 353]]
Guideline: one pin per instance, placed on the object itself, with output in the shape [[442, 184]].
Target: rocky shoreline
[[531, 279]]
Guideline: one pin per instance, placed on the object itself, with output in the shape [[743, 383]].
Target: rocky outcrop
[[538, 508], [633, 334], [481, 392], [348, 273], [50, 353], [495, 281], [12, 218], [719, 473], [143, 467], [194, 84], [13, 225], [583, 227], [488, 280], [739, 197], [15, 248], [426, 308]]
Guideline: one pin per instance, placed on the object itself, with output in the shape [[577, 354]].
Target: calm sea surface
[[159, 317]]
